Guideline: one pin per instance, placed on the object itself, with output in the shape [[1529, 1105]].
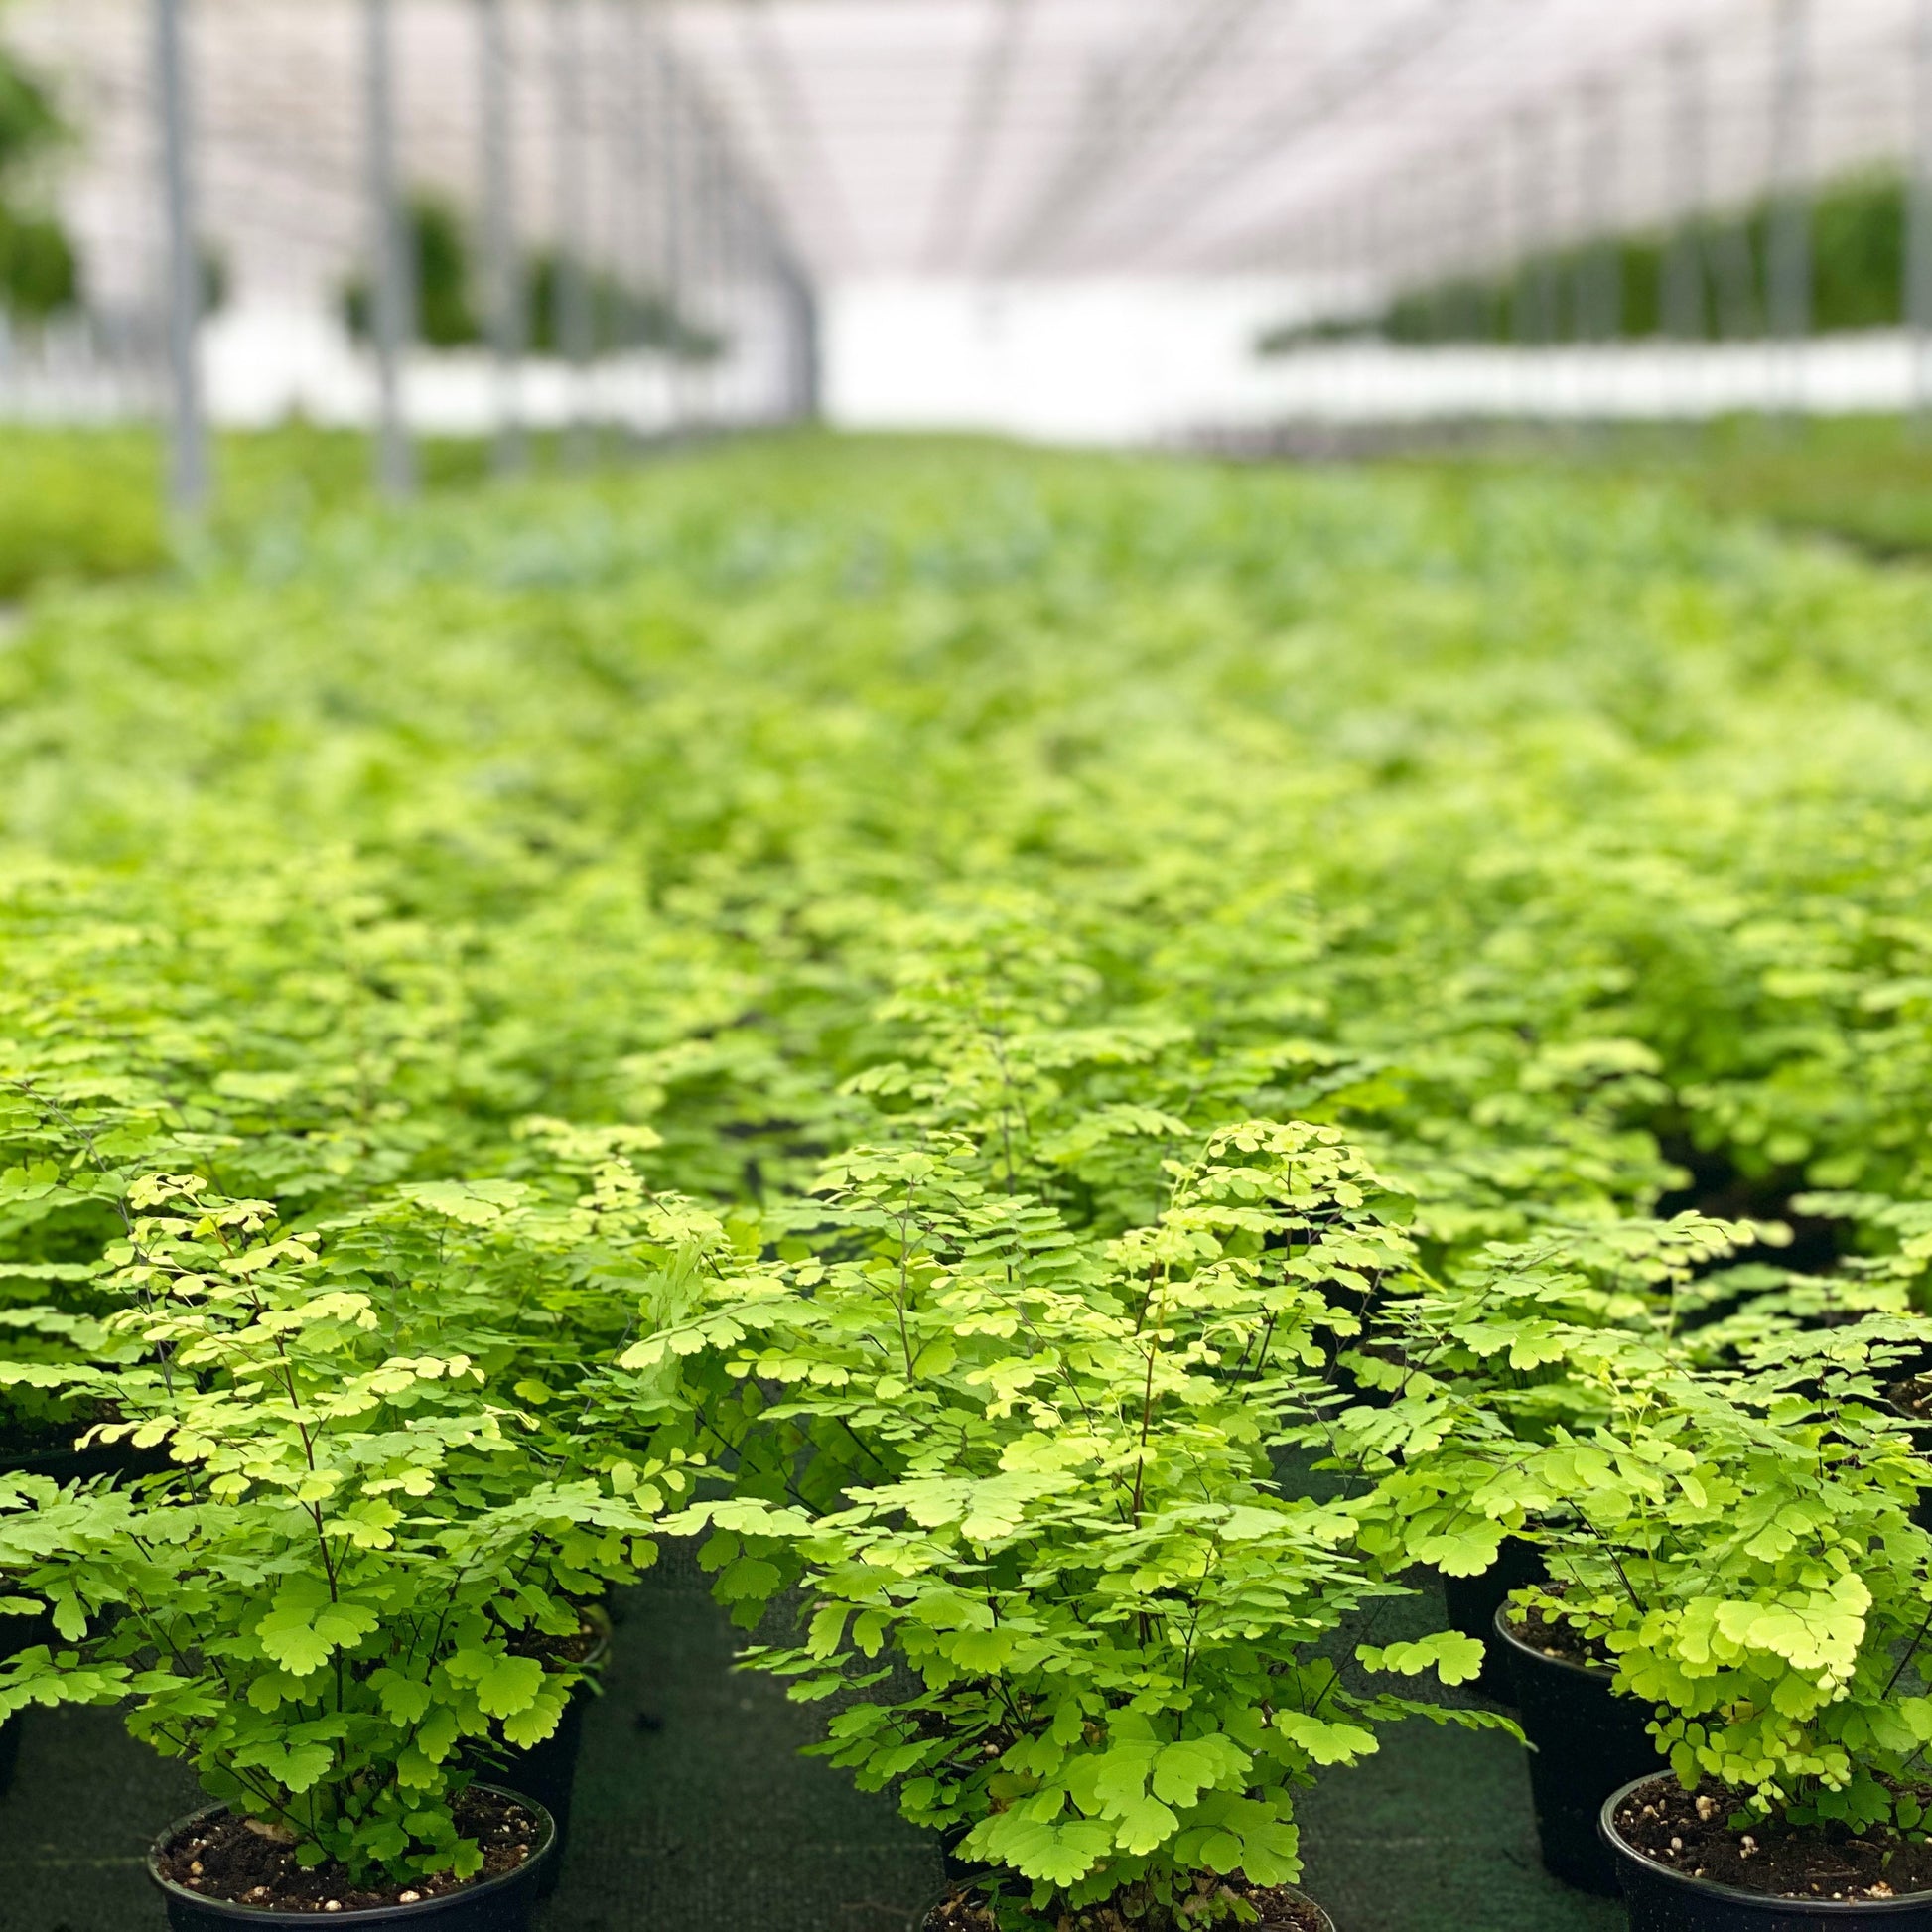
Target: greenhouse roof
[[1042, 136], [1033, 138]]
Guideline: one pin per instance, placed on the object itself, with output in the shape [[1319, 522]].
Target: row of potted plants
[[1724, 1565], [369, 1571], [1036, 1491]]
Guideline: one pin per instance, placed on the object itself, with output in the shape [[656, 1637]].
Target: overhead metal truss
[[1042, 137], [1358, 139]]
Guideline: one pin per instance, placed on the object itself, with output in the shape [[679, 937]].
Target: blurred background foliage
[[39, 270], [81, 505], [450, 305], [1621, 288]]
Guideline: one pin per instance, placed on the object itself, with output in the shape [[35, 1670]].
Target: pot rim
[[364, 1914], [1621, 1849], [74, 1465], [599, 1657], [918, 1924], [596, 1660], [1597, 1673], [1889, 1392], [1315, 1902]]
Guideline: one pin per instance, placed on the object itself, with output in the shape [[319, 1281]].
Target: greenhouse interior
[[966, 965]]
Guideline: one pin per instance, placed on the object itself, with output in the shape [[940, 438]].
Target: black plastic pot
[[1662, 1900], [1324, 1923], [1586, 1742], [501, 1905], [960, 1871], [61, 1465], [548, 1771], [1474, 1600], [16, 1633], [1895, 1394], [98, 1459]]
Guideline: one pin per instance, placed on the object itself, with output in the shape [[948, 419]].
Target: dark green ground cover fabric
[[694, 1811]]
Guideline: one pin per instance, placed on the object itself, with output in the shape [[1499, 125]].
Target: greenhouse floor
[[695, 1812]]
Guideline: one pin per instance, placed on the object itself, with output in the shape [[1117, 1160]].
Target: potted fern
[[1520, 1345], [1070, 1611], [1105, 1718], [1744, 1554], [326, 1605]]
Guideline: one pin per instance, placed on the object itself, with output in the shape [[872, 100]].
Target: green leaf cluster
[[1055, 1512], [334, 1605]]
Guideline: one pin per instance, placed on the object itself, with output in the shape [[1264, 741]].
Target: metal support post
[[1459, 245], [616, 113], [807, 401], [728, 307], [642, 110], [502, 268], [1463, 245], [190, 471], [1683, 304], [1599, 308], [393, 279], [1788, 262], [708, 196], [1435, 191], [1410, 191], [1545, 292], [1515, 197], [1499, 193], [672, 239], [1734, 264], [1534, 305], [1340, 240], [1368, 378], [1458, 268], [1918, 240], [572, 318], [699, 186]]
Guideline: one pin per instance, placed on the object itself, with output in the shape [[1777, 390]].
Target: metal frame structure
[[189, 474], [690, 145], [393, 293], [977, 137], [284, 141]]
